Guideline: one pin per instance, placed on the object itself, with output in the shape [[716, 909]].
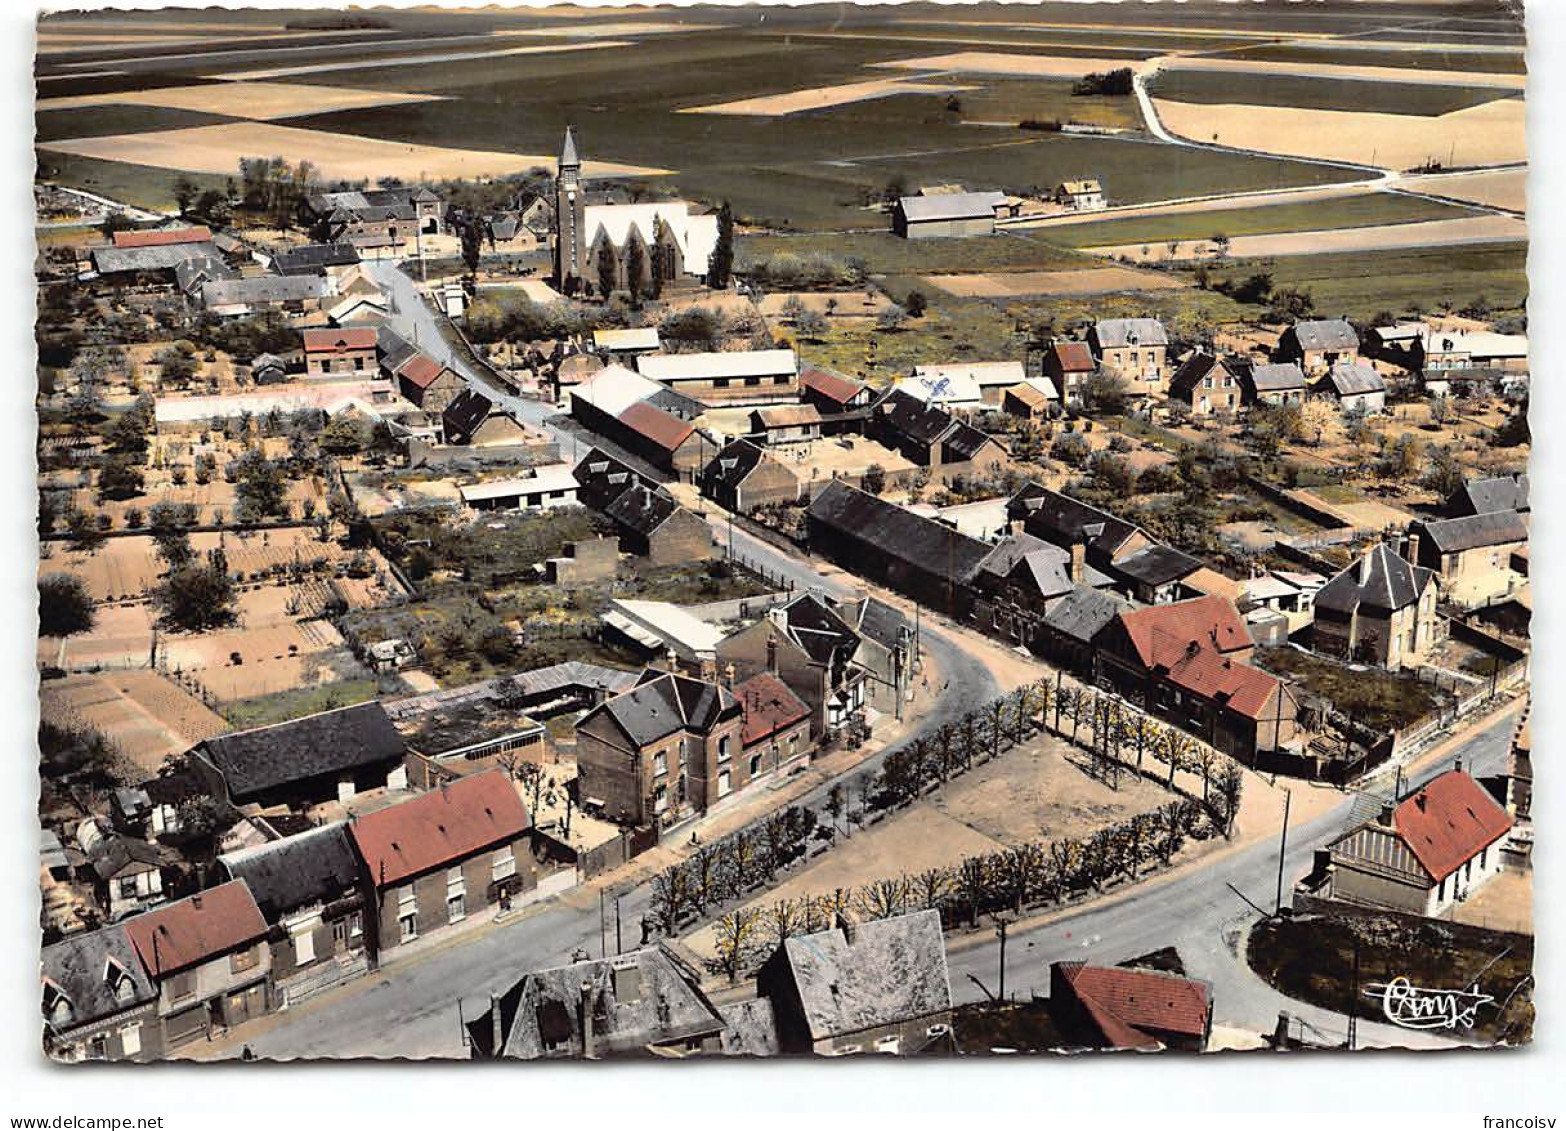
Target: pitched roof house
[[1381, 609], [98, 1002], [1127, 1008], [742, 477], [1496, 493]]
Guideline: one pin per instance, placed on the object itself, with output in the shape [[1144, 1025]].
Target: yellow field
[[1343, 71], [1506, 188], [1489, 134], [218, 149], [1383, 237], [261, 101], [1016, 284], [820, 97], [1003, 63]]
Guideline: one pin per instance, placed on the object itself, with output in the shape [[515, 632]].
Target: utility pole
[[1283, 844], [1353, 1017], [1000, 929], [603, 928], [619, 941]]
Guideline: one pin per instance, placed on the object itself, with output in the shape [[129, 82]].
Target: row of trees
[[729, 868], [1003, 882]]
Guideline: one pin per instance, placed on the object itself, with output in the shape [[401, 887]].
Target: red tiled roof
[[830, 385], [770, 707], [1130, 1005], [339, 341], [1163, 633], [664, 429], [1074, 357], [421, 370], [1219, 679], [194, 930], [163, 238], [1448, 822], [440, 827]]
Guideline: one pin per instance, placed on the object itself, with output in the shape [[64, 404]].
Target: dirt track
[[1505, 81], [1003, 63]]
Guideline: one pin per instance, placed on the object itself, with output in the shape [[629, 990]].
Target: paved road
[[1201, 915]]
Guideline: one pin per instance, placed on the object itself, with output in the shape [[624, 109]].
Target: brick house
[[1068, 365], [432, 860], [341, 352], [98, 1001], [1436, 847], [876, 987], [1188, 662], [1206, 384], [428, 384], [665, 749], [652, 525], [1315, 346], [1135, 348], [207, 957], [1379, 610], [832, 393], [308, 889], [776, 734], [1118, 1007], [660, 438], [742, 477], [811, 649], [1472, 555]]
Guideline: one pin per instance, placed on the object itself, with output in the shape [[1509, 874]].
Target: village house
[[1289, 593], [307, 887], [922, 558], [1359, 389], [876, 987], [1118, 1007], [992, 378], [1133, 561], [776, 733], [341, 352], [955, 392], [431, 861], [1135, 348], [1073, 623], [601, 478], [1429, 852], [1206, 384], [887, 650], [428, 383], [673, 239], [1081, 196], [931, 437], [375, 220], [474, 422], [661, 438], [1379, 610], [642, 1003], [1315, 346], [1447, 352], [1189, 662], [1401, 343], [1487, 495], [1021, 579], [742, 477], [1034, 400], [832, 393], [327, 756], [949, 214], [247, 297], [778, 425], [662, 751], [357, 310], [811, 649], [622, 347], [1068, 366], [207, 957], [652, 525], [126, 872], [1274, 383], [1472, 555], [327, 259], [98, 1002], [733, 377]]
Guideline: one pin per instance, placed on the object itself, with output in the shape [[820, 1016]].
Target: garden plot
[[1488, 134], [832, 304], [260, 101], [147, 715], [822, 97], [218, 149], [1380, 237], [1005, 63], [1018, 284], [1506, 188]]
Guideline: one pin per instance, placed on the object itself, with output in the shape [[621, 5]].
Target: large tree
[[64, 608], [198, 595], [635, 266], [261, 489], [608, 269], [721, 265]]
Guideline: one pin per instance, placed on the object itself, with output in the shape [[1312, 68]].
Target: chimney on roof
[[845, 923], [494, 1025], [671, 659], [728, 674], [709, 669], [772, 654], [1419, 801], [584, 1019], [1364, 569], [1457, 765], [1078, 562], [195, 901], [1413, 549], [1387, 812]]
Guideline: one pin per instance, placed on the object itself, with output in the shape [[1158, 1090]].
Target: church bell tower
[[569, 207]]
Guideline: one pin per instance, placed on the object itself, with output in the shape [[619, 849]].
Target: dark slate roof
[[113, 854], [675, 403], [642, 508], [1381, 580], [602, 479], [1157, 565], [87, 969], [910, 417], [462, 417], [1500, 493], [1010, 550], [331, 742], [572, 675], [1083, 613], [314, 258], [874, 619], [736, 460], [964, 443], [1354, 378], [163, 257], [1328, 334], [749, 1028], [664, 703], [633, 1002], [867, 975], [396, 351], [823, 635], [1495, 528], [1112, 333], [318, 866], [1192, 370], [1065, 521], [1277, 377], [262, 288], [931, 546], [503, 225]]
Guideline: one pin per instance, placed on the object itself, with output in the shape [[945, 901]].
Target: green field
[[1015, 100], [102, 121], [886, 254], [1364, 210], [141, 185], [1424, 99], [1361, 284]]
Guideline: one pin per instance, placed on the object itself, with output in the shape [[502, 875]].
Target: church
[[652, 244]]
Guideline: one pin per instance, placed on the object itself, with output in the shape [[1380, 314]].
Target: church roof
[[568, 149]]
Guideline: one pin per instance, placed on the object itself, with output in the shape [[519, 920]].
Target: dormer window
[[56, 1006], [118, 980]]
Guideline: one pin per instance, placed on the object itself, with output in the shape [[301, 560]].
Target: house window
[[407, 912], [1441, 892], [304, 948], [755, 764], [660, 799], [182, 986], [723, 749], [503, 864], [660, 763], [130, 1039], [720, 383], [723, 784], [127, 887], [243, 960], [346, 930], [456, 896], [410, 926], [780, 380]]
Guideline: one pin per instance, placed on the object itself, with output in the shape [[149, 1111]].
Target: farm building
[[661, 631], [315, 259], [832, 393], [992, 378], [1357, 387], [1032, 399], [1069, 365], [543, 489], [427, 383], [1081, 196], [659, 437], [730, 378], [371, 400], [948, 214], [1274, 383], [952, 392], [742, 477], [931, 437], [1317, 345], [1116, 1007], [626, 345], [1446, 350], [786, 424], [241, 298]]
